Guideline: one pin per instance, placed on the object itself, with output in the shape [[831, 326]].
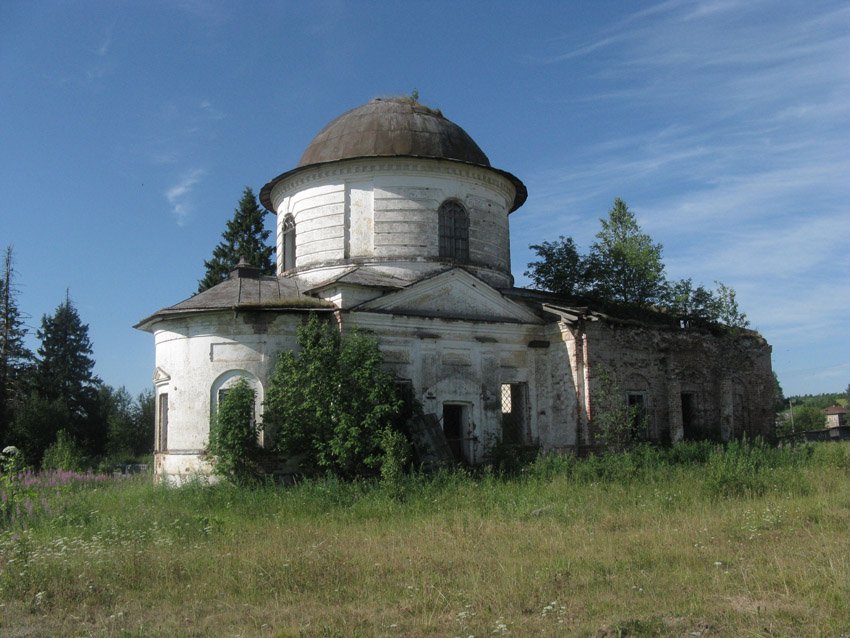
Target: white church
[[394, 222]]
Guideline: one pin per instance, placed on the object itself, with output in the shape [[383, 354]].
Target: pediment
[[160, 376], [453, 294]]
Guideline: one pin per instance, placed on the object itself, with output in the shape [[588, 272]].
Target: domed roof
[[392, 127]]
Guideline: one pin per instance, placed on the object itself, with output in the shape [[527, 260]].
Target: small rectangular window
[[162, 430]]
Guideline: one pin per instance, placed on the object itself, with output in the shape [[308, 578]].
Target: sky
[[128, 131]]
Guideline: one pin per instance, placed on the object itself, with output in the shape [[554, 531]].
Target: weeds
[[649, 542]]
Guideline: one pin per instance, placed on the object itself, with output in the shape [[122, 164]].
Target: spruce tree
[[64, 372], [244, 237], [15, 357]]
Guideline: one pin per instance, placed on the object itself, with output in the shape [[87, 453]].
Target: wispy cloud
[[735, 156], [106, 42], [179, 195]]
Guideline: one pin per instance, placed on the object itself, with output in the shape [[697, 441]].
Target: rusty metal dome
[[393, 127]]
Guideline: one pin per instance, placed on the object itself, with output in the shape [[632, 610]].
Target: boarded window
[[288, 242], [454, 231], [162, 422]]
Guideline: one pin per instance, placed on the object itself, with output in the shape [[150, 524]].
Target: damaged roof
[[245, 289]]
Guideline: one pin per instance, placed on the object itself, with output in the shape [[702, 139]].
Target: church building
[[394, 222]]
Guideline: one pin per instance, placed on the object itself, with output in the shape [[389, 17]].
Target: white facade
[[383, 212], [415, 248]]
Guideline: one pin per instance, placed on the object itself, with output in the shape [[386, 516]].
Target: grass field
[[691, 541]]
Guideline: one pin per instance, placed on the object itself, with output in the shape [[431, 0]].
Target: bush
[[64, 454], [395, 461], [330, 404], [233, 436]]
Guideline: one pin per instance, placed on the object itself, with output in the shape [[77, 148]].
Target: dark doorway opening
[[689, 416], [453, 426]]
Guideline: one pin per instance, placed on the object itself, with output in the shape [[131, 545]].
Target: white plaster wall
[[199, 355], [386, 210], [468, 361]]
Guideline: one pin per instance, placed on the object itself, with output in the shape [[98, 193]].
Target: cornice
[[392, 166]]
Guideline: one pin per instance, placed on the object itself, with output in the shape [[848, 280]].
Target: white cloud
[[179, 195]]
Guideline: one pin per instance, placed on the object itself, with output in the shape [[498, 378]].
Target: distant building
[[395, 222], [836, 416]]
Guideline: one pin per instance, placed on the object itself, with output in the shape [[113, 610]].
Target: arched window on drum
[[454, 231], [288, 242]]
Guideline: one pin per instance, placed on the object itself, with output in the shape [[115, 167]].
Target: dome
[[393, 127]]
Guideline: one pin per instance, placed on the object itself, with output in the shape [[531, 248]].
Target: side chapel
[[395, 222]]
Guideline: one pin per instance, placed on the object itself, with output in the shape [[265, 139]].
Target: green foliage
[[778, 395], [624, 266], [15, 358], [802, 418], [64, 372], [129, 422], [560, 269], [64, 454], [647, 519], [243, 238], [728, 312], [395, 461], [37, 420], [233, 436], [615, 424], [625, 263], [330, 404]]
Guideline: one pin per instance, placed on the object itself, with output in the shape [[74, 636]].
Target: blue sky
[[128, 131]]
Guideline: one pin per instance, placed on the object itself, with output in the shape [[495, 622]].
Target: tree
[[625, 263], [701, 305], [64, 372], [233, 436], [244, 237], [802, 418], [331, 403], [36, 424], [689, 302], [561, 269], [727, 307], [778, 395], [15, 357]]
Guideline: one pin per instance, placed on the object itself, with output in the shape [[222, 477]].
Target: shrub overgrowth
[[330, 404], [233, 436]]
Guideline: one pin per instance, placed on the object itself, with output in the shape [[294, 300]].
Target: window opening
[[223, 392], [162, 433], [689, 412], [514, 413], [636, 402], [454, 231], [453, 426], [288, 242]]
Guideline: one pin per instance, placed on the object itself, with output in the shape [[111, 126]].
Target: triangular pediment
[[453, 294], [160, 376]]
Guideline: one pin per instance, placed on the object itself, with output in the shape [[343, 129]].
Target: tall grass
[[742, 540]]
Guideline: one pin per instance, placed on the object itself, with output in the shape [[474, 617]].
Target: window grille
[[454, 231]]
